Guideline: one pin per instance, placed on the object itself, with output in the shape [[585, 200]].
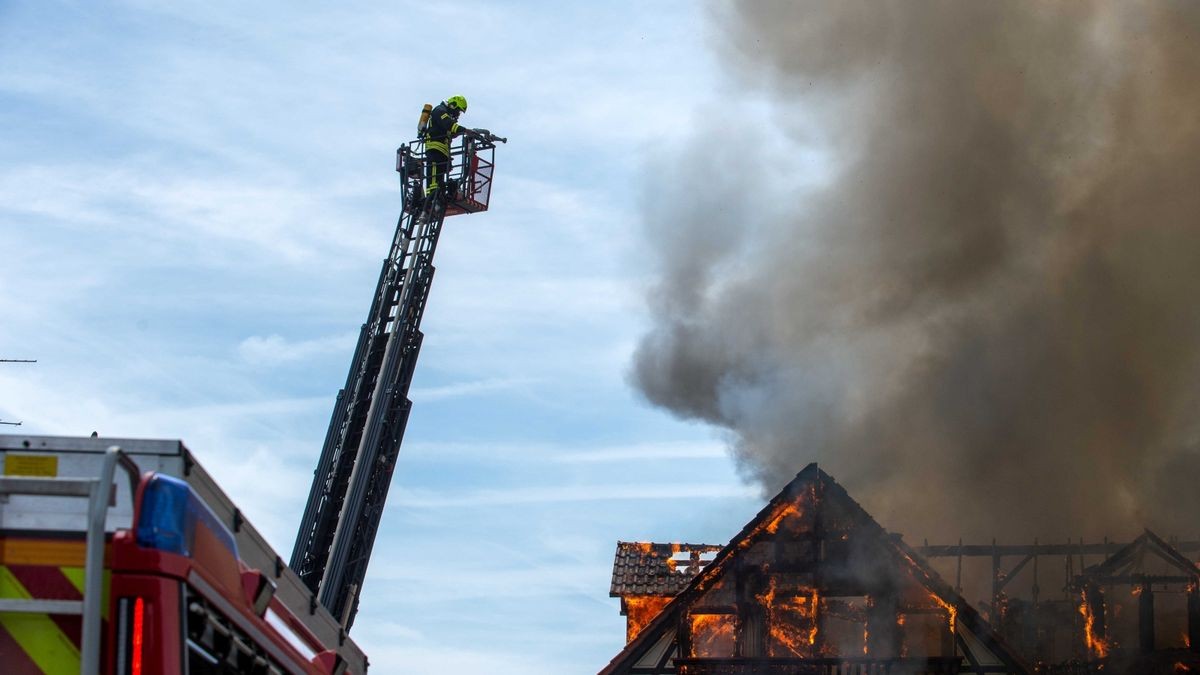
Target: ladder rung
[[47, 487], [41, 606]]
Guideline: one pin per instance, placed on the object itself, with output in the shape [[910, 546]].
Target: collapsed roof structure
[[813, 584]]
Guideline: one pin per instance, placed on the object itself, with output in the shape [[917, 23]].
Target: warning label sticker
[[31, 465]]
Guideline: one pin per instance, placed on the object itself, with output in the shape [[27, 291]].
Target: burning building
[[952, 254], [813, 584]]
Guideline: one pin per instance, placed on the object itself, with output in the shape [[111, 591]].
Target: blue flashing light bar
[[170, 514]]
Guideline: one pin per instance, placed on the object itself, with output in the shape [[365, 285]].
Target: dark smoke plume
[[983, 316]]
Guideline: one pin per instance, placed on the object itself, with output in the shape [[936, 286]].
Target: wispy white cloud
[[454, 657], [461, 389], [646, 452], [479, 578], [274, 349], [182, 216], [425, 499], [582, 452]]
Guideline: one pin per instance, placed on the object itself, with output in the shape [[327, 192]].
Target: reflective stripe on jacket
[[442, 128]]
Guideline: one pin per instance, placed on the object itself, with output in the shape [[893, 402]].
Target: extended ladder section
[[350, 484]]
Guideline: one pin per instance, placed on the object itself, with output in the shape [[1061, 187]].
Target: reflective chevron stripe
[[44, 570], [38, 635]]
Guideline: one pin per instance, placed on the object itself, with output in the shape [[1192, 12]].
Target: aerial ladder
[[352, 477]]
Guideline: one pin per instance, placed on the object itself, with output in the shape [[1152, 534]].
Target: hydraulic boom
[[352, 477]]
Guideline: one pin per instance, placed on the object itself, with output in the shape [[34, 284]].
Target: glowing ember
[[1096, 644], [640, 610]]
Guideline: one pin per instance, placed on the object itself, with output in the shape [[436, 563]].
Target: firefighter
[[439, 133]]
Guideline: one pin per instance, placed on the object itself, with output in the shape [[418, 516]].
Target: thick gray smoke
[[983, 315]]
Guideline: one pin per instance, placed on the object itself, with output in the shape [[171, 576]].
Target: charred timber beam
[[988, 550], [751, 637], [1193, 618], [1146, 620], [1011, 574], [683, 634], [827, 661], [996, 585], [1093, 595], [714, 609], [1140, 580], [830, 666], [883, 624]]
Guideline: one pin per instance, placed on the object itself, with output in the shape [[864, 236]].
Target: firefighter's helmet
[[457, 102]]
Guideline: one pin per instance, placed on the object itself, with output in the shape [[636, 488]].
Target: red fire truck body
[[183, 584]]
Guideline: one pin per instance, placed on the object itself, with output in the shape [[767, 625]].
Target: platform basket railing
[[472, 164]]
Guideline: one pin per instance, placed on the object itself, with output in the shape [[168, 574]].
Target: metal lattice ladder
[[350, 484]]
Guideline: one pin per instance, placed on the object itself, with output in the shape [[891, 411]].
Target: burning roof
[[1118, 598], [644, 568], [812, 579]]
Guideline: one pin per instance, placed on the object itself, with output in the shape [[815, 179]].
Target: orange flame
[[640, 610], [781, 515], [792, 621], [1096, 644], [712, 634], [951, 612]]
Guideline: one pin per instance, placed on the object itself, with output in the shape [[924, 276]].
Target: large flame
[[1097, 645], [791, 620], [713, 634], [640, 610]]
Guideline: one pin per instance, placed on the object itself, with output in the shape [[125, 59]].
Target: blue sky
[[194, 202]]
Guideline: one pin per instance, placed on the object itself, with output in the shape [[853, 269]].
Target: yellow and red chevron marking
[[45, 569]]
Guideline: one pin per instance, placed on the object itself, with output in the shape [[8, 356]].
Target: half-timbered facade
[[811, 585]]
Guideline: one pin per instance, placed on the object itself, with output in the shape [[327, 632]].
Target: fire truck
[[124, 556]]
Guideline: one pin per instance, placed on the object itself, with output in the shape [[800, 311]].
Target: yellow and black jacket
[[443, 126]]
